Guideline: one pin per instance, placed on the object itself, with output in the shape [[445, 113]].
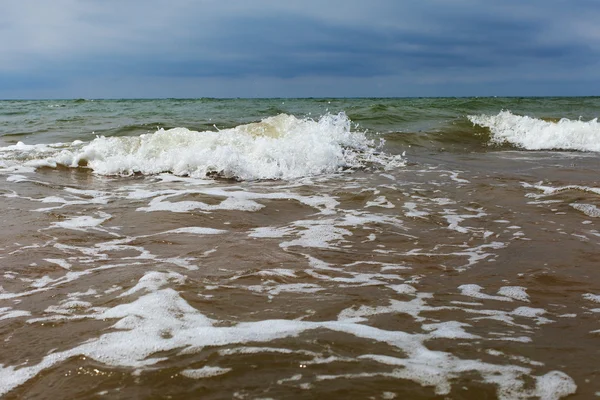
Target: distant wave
[[278, 147], [537, 134]]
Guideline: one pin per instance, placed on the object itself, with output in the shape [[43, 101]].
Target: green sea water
[[429, 122]]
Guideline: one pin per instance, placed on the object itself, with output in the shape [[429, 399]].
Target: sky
[[290, 48]]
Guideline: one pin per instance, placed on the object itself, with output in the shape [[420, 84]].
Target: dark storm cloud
[[380, 43]]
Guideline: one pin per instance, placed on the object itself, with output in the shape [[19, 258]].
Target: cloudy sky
[[292, 48]]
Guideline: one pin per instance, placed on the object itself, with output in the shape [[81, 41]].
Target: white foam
[[568, 316], [289, 273], [507, 317], [473, 290], [380, 201], [83, 222], [204, 372], [403, 289], [46, 283], [514, 292], [448, 330], [533, 313], [162, 321], [7, 313], [588, 209], [437, 369], [27, 148], [454, 177], [454, 219], [69, 307], [286, 288], [234, 199], [592, 297], [536, 134], [412, 210], [270, 232], [293, 378], [17, 178], [522, 359], [466, 303], [60, 262], [257, 350], [413, 308], [279, 147], [550, 190], [197, 230], [442, 201], [317, 234], [41, 282], [183, 262], [152, 281], [554, 385], [478, 253], [90, 197]]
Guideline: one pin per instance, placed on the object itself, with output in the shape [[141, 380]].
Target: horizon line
[[292, 98]]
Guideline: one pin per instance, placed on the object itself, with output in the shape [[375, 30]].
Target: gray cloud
[[74, 48]]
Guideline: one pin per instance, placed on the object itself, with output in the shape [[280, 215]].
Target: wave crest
[[279, 147], [537, 134]]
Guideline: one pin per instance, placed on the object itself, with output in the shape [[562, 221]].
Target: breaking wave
[[537, 134], [278, 147]]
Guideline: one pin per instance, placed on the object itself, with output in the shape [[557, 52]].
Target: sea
[[395, 248]]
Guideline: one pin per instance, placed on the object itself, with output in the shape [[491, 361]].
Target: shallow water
[[458, 271]]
